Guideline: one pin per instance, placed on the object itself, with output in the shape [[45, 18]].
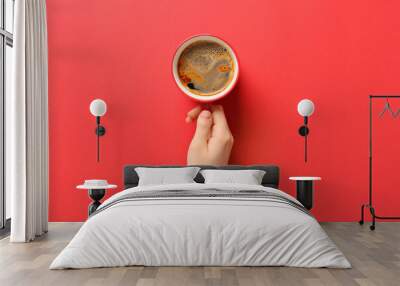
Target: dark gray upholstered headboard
[[271, 177]]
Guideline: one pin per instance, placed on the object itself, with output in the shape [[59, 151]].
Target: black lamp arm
[[304, 131], [100, 131]]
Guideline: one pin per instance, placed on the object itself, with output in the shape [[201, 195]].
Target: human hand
[[212, 141]]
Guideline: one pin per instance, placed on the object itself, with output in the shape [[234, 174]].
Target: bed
[[198, 224]]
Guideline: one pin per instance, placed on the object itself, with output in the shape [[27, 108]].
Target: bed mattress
[[201, 225]]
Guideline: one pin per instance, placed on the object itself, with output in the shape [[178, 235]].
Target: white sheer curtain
[[27, 124]]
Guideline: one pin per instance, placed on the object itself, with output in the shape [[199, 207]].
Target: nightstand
[[305, 190], [96, 190]]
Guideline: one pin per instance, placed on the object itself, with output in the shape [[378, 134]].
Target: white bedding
[[200, 231]]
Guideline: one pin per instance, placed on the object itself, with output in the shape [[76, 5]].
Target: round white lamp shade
[[305, 107], [98, 107]]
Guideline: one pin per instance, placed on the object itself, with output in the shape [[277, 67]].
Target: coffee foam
[[205, 68]]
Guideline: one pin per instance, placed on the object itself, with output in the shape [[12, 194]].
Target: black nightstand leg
[[305, 193], [96, 195]]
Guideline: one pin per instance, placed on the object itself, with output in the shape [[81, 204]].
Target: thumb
[[203, 127]]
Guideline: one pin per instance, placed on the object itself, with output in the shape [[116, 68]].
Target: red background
[[333, 52]]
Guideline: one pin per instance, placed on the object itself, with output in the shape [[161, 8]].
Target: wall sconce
[[98, 108], [305, 109]]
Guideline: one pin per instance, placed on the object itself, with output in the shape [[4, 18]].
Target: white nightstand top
[[305, 178], [85, 187], [96, 184]]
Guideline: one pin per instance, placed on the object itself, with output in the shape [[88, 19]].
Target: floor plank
[[375, 257]]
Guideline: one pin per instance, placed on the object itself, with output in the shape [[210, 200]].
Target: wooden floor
[[375, 257]]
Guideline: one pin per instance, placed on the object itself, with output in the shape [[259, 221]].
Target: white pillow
[[162, 176], [248, 177]]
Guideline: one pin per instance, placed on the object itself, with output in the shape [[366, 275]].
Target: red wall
[[333, 52]]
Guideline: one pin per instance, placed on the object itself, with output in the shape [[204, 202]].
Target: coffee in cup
[[205, 68]]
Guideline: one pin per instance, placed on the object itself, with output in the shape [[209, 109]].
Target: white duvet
[[200, 231]]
